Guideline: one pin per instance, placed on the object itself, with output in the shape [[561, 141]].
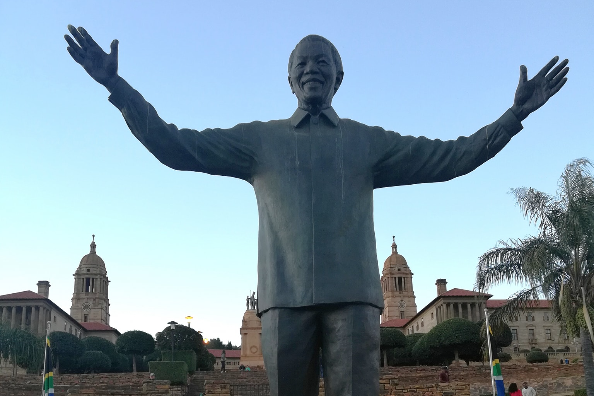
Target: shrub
[[94, 362], [99, 344], [182, 356], [537, 357], [535, 349], [504, 357], [549, 349], [205, 361], [175, 372], [579, 392]]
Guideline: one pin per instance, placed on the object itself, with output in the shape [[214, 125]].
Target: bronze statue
[[314, 175]]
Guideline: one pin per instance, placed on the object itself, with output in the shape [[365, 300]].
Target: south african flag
[[48, 371], [498, 378]]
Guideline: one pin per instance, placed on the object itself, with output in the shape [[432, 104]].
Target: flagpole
[[47, 328], [490, 353]]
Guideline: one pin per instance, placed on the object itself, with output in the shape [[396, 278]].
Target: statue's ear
[[339, 77], [291, 84]]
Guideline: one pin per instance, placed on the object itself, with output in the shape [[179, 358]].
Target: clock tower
[[397, 287], [90, 302]]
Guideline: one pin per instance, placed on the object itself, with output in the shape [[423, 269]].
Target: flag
[[48, 371], [498, 378]]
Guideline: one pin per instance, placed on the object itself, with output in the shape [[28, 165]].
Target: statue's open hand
[[532, 94], [85, 51]]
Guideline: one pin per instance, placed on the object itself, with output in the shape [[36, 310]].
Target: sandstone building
[[534, 328], [89, 313]]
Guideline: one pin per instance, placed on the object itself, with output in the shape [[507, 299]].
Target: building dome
[[395, 260], [92, 259]]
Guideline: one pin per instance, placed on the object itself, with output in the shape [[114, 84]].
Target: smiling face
[[313, 75]]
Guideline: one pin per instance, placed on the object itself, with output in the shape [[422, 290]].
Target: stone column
[[23, 316], [41, 320], [34, 319], [1, 314], [13, 317], [469, 308]]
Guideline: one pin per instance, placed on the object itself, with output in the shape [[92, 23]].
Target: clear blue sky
[[182, 243]]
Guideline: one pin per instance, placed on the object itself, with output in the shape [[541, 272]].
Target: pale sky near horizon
[[182, 243]]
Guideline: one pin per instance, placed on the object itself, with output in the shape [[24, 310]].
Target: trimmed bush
[[537, 357], [549, 350], [579, 392], [182, 356], [94, 362], [504, 357], [535, 349], [175, 372]]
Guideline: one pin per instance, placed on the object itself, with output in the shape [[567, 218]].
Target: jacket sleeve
[[403, 160], [226, 152]]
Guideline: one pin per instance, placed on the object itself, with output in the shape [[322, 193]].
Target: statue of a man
[[253, 300], [314, 175], [247, 302]]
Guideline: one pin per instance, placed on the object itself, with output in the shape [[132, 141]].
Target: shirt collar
[[299, 115]]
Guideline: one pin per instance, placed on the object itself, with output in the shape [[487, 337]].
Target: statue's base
[[251, 340]]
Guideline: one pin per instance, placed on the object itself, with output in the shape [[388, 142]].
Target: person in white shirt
[[528, 390]]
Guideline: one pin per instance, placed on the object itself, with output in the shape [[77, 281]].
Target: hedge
[[181, 356], [537, 357], [504, 357], [579, 392], [175, 372]]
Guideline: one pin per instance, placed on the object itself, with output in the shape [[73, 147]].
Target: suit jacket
[[314, 178]]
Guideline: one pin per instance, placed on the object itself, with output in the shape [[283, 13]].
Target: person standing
[[528, 390], [223, 359], [513, 390]]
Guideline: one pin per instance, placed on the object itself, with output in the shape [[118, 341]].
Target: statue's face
[[313, 76]]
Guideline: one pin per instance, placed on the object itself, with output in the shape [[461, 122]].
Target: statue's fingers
[[114, 48], [75, 55], [559, 77], [543, 72], [523, 74], [72, 43], [557, 87], [76, 34], [87, 37], [557, 69]]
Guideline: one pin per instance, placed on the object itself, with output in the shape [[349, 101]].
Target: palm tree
[[558, 263]]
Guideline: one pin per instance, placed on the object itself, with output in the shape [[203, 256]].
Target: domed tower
[[90, 302], [397, 286]]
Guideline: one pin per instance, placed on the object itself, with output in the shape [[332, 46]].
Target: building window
[[529, 317], [531, 334], [64, 326], [86, 318], [431, 315], [548, 334], [401, 314], [514, 334], [54, 318], [417, 325], [516, 349], [546, 317], [422, 322]]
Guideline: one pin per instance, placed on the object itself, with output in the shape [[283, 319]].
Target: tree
[[21, 348], [66, 348], [186, 338], [557, 263], [390, 338], [215, 343], [403, 356], [501, 337], [107, 347], [135, 343], [94, 362], [456, 337]]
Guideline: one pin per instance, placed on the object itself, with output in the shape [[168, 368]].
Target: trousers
[[347, 336]]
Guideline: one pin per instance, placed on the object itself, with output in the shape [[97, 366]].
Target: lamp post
[[189, 318], [172, 324]]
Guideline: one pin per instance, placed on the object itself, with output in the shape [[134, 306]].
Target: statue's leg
[[290, 346], [351, 350]]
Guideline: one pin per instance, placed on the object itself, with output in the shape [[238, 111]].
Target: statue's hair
[[315, 37]]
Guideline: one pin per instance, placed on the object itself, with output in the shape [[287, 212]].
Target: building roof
[[24, 295], [96, 326], [492, 304], [455, 292], [229, 353], [395, 323]]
